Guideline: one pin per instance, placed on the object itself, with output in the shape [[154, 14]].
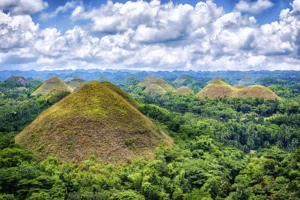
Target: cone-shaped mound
[[184, 90], [97, 119], [157, 81], [255, 91], [216, 89], [220, 89], [52, 84], [182, 79], [17, 81], [155, 90]]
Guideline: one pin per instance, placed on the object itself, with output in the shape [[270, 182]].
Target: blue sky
[[151, 35]]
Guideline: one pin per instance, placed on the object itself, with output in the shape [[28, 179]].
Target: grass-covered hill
[[157, 81], [98, 119], [184, 90], [53, 84], [155, 90], [216, 89], [219, 89]]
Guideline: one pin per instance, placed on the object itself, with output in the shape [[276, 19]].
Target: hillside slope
[[98, 119], [52, 84]]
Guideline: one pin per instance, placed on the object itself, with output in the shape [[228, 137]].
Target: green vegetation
[[53, 84], [224, 148]]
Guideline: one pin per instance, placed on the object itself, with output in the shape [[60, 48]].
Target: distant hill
[[75, 83], [216, 89], [219, 89], [155, 90], [255, 91], [184, 90], [157, 81], [52, 84], [183, 78], [16, 81], [98, 119]]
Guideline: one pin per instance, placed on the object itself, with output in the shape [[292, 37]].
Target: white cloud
[[66, 7], [253, 7], [152, 35], [23, 7]]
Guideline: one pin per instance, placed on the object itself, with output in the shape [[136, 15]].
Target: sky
[[206, 35]]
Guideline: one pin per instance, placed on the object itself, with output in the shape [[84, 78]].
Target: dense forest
[[224, 148]]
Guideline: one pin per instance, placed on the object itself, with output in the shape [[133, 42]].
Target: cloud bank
[[153, 35]]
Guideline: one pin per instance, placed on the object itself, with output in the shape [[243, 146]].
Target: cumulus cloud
[[253, 7], [152, 35], [65, 8], [23, 7]]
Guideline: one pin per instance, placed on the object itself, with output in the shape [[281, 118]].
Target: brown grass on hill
[[255, 91], [99, 120], [184, 90], [157, 81], [52, 84], [155, 90], [220, 89]]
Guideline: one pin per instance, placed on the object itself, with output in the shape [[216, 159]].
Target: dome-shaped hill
[[97, 119], [216, 89], [255, 91], [184, 90], [17, 81], [52, 84], [157, 81], [155, 90]]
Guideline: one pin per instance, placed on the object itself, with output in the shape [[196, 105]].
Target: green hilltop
[[98, 119]]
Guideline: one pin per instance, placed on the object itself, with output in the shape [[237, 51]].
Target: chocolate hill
[[53, 84], [157, 81], [184, 90], [98, 119]]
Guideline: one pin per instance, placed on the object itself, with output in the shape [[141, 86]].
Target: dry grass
[[157, 81], [97, 119], [52, 84], [220, 89], [184, 90], [155, 90]]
